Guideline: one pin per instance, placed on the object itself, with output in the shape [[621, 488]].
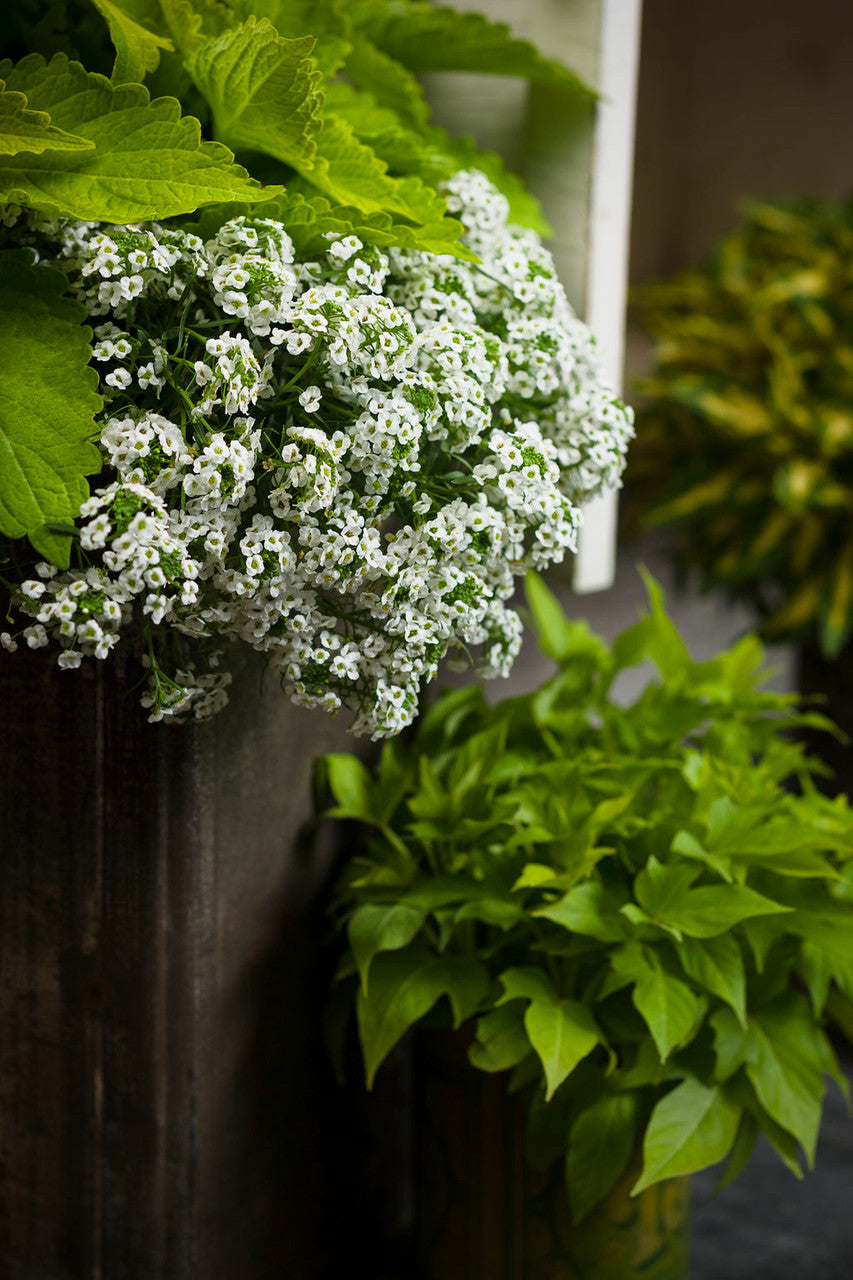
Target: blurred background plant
[[745, 443]]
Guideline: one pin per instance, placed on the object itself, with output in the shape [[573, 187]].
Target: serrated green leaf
[[25, 130], [147, 161], [191, 22], [373, 928], [327, 22], [48, 403], [692, 1127], [351, 173], [601, 1143], [425, 37], [137, 46], [263, 89], [404, 985], [387, 80]]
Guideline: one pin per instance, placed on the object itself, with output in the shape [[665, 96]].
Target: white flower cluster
[[341, 462]]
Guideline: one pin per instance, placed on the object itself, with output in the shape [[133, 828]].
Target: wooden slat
[[168, 1109]]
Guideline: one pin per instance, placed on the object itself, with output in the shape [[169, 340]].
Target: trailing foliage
[[639, 923], [121, 111], [751, 398]]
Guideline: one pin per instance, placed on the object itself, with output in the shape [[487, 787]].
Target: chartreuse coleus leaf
[[191, 22], [692, 1127], [24, 130], [390, 83], [601, 1143], [263, 89], [425, 37], [137, 45], [147, 160], [48, 403], [351, 173], [327, 22], [404, 985], [563, 1032]]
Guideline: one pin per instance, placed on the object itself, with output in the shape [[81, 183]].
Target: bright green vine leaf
[[425, 37], [147, 161], [404, 985], [25, 130], [48, 404], [601, 1143], [137, 47], [692, 1127], [264, 90]]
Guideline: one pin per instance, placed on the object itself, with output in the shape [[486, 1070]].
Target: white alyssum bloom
[[343, 463]]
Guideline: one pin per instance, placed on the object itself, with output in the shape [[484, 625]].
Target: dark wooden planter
[[484, 1214], [167, 1106]]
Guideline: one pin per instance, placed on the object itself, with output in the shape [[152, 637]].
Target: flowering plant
[[638, 922], [337, 454]]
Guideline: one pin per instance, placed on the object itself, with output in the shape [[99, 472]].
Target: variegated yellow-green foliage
[[745, 440]]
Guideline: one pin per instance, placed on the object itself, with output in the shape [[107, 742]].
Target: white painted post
[[608, 241]]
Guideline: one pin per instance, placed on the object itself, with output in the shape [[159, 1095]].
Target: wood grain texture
[[167, 1106]]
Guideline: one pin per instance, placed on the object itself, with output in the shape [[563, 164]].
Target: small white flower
[[310, 399]]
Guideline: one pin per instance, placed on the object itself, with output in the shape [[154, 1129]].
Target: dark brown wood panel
[[167, 1106]]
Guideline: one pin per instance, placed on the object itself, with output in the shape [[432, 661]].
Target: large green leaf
[[692, 1127], [374, 927], [48, 403], [404, 985], [601, 1143], [785, 1055], [24, 130], [668, 1006], [351, 173], [327, 22], [563, 1033], [588, 909], [390, 83], [502, 1041], [425, 37], [263, 89], [147, 160], [717, 965], [137, 46], [665, 894]]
